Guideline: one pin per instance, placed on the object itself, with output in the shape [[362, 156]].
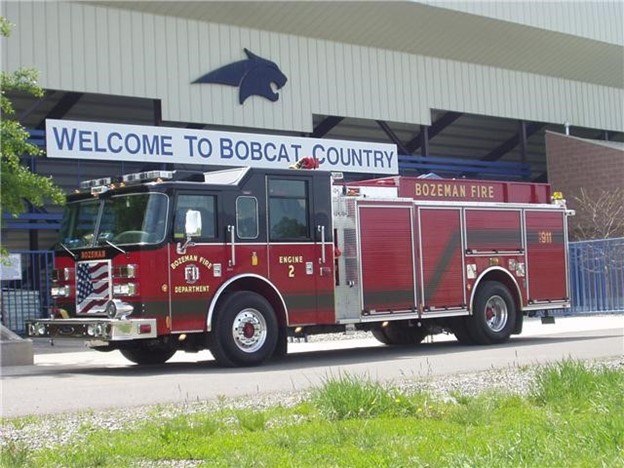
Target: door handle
[[232, 230], [321, 229]]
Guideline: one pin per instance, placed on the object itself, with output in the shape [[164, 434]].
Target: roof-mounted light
[[147, 176], [557, 199], [87, 184], [99, 190], [307, 162]]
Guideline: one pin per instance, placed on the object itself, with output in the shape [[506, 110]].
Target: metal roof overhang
[[414, 28]]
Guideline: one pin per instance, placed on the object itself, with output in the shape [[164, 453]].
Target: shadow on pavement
[[303, 359]]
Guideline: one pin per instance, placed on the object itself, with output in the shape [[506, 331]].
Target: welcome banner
[[114, 142]]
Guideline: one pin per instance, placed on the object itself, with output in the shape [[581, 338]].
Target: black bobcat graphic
[[253, 76]]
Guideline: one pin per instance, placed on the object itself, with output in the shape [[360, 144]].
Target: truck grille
[[93, 286]]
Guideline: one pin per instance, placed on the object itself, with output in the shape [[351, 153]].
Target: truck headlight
[[60, 291], [126, 271], [39, 329], [100, 329], [125, 289], [97, 330], [117, 309]]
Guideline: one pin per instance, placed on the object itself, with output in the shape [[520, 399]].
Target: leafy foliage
[[18, 182]]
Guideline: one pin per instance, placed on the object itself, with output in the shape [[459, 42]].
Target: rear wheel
[[460, 330], [148, 354], [493, 316], [400, 334], [245, 332]]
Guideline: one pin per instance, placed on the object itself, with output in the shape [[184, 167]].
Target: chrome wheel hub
[[249, 330], [496, 314]]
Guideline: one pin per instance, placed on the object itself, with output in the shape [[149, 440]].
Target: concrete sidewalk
[[14, 351]]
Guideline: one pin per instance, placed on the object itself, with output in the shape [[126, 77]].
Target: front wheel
[[401, 334], [245, 332], [493, 316], [148, 354]]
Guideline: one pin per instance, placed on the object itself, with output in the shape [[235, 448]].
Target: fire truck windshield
[[123, 219]]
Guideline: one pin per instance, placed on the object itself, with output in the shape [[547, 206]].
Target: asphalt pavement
[[67, 377]]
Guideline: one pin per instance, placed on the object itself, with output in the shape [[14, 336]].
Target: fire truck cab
[[236, 261]]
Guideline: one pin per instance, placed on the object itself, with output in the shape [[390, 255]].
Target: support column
[[393, 137], [424, 140]]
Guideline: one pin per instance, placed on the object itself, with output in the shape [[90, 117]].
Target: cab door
[[300, 252], [194, 272]]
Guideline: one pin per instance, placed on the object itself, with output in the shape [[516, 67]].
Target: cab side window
[[205, 204], [288, 210], [247, 217]]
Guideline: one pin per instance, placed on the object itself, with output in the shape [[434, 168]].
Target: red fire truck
[[238, 260]]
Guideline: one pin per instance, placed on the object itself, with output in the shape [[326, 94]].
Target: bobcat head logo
[[254, 76]]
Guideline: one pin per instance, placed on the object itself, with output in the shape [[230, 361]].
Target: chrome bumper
[[93, 329]]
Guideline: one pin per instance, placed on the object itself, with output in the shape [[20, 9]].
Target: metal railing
[[597, 276], [27, 294]]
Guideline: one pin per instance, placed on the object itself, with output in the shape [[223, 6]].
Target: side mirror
[[192, 228], [193, 224]]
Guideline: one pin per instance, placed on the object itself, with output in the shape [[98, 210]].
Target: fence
[[597, 276], [25, 290]]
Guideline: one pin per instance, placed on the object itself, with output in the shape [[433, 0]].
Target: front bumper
[[93, 329]]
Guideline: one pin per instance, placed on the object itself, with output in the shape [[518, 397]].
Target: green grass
[[572, 417]]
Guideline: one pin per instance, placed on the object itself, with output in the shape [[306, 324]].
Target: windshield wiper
[[67, 250], [115, 246]]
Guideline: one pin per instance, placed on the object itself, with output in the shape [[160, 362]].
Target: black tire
[[401, 334], [245, 331], [493, 315], [103, 349], [145, 355], [281, 347], [380, 335], [460, 330]]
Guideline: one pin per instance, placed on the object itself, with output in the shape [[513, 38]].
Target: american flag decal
[[93, 289]]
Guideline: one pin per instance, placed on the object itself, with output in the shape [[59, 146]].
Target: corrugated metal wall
[[571, 17], [104, 50]]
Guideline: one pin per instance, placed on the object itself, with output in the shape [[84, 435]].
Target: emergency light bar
[[87, 184], [147, 176], [99, 186]]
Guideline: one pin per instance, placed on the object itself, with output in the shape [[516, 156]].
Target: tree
[[599, 214], [18, 183]]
